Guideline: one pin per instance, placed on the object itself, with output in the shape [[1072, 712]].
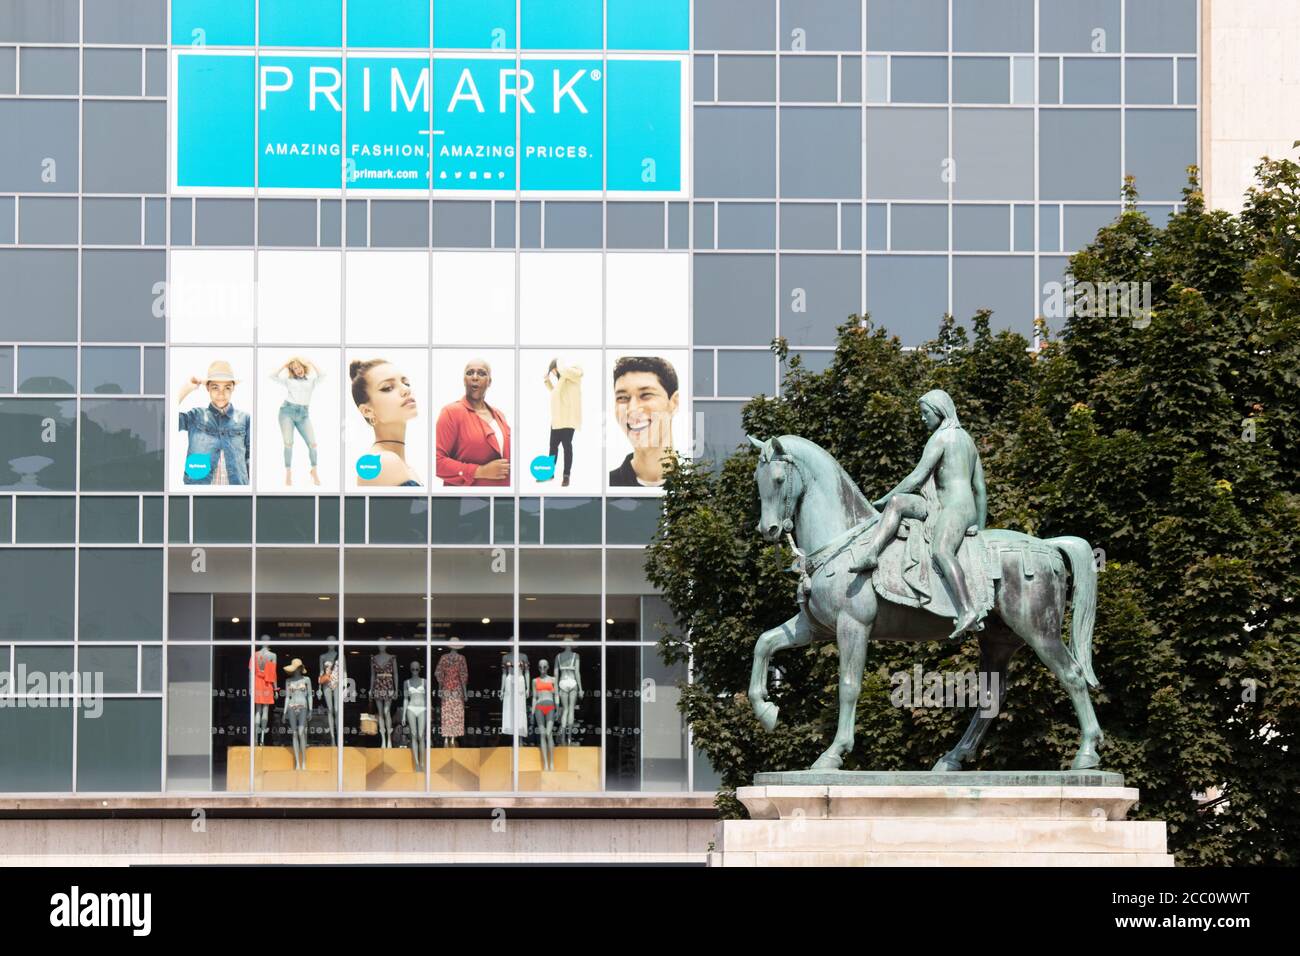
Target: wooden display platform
[[273, 769], [376, 769]]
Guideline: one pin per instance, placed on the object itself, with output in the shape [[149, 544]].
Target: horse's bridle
[[789, 502]]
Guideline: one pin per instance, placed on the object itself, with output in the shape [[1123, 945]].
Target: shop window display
[[561, 752]]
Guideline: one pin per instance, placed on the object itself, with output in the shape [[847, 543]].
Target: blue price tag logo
[[198, 467], [543, 467], [368, 467]]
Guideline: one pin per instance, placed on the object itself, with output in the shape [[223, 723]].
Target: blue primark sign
[[462, 97]]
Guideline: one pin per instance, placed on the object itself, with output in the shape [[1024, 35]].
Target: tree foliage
[[1171, 442]]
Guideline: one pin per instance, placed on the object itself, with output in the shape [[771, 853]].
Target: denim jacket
[[215, 433]]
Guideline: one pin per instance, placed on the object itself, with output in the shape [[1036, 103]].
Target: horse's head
[[780, 486]]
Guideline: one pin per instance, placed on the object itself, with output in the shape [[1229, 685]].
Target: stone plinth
[[812, 818]]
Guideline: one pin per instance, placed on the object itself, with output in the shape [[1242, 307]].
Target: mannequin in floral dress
[[452, 675]]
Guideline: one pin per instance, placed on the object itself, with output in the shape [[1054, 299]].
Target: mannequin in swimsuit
[[414, 706], [297, 710], [543, 692], [569, 669]]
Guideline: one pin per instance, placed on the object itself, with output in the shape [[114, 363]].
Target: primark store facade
[[341, 342]]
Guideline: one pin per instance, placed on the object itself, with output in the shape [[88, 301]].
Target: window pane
[[1022, 86], [995, 153], [919, 79], [745, 374], [1161, 26], [1091, 81], [979, 79], [908, 295], [1083, 222], [36, 748], [747, 79], [631, 520], [39, 437], [559, 594], [45, 371], [470, 585], [993, 26], [1079, 155], [120, 748], [1049, 228], [46, 520], [1149, 80], [298, 595], [384, 592], [110, 520], [746, 225], [724, 132], [826, 24], [399, 521], [122, 445], [114, 669], [119, 289], [210, 594], [121, 595], [287, 520], [982, 228], [831, 291], [645, 735], [906, 149], [735, 299], [1079, 26], [460, 520], [195, 705], [223, 520], [110, 371], [1004, 284], [571, 520], [907, 25], [734, 25], [1160, 145], [810, 79], [916, 228], [36, 594]]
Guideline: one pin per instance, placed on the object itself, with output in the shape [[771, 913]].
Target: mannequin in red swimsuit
[[544, 704]]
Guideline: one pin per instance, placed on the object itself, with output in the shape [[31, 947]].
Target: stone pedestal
[[812, 818]]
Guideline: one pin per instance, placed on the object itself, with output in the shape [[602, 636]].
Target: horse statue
[[804, 490]]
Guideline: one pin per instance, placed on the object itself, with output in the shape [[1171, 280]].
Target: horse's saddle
[[906, 575]]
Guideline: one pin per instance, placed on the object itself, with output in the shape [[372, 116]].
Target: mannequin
[[568, 670], [543, 693], [262, 664], [514, 695], [415, 697], [383, 691], [297, 710], [330, 684], [452, 674]]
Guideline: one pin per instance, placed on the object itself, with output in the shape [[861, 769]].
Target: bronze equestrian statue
[[866, 575]]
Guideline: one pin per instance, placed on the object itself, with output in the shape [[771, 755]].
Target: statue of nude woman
[[948, 482]]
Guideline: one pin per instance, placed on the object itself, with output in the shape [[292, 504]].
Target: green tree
[[1169, 439]]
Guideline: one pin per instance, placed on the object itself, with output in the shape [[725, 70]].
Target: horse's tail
[[1084, 606]]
